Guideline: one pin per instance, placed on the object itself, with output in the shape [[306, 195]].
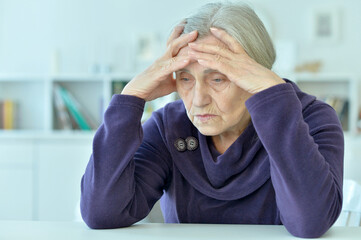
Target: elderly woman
[[241, 146]]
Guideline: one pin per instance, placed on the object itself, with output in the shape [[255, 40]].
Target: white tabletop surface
[[24, 230]]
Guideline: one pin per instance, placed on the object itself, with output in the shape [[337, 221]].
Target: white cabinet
[[352, 162], [40, 175], [61, 164], [16, 179]]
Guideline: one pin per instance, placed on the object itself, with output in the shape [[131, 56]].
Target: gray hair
[[241, 22]]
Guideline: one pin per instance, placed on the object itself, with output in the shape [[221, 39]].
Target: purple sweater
[[286, 167]]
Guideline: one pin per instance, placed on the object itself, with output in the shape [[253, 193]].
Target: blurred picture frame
[[326, 25]]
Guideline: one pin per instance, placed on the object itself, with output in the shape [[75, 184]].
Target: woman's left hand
[[230, 58]]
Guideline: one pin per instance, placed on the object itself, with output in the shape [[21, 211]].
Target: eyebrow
[[208, 70]]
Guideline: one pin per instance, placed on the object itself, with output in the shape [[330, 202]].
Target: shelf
[[28, 97], [89, 95], [322, 76], [35, 97], [36, 135], [338, 90]]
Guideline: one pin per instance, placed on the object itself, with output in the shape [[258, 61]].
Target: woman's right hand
[[157, 80]]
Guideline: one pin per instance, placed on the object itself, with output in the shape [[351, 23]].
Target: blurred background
[[62, 60]]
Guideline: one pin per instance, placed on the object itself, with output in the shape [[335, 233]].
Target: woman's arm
[[305, 148], [127, 172]]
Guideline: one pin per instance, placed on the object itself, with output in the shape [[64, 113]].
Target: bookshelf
[[339, 91], [35, 111], [28, 94], [34, 98]]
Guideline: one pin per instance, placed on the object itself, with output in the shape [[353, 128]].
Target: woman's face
[[214, 104]]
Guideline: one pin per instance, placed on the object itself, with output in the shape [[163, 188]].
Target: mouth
[[204, 117]]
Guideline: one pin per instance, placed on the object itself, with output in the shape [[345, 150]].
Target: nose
[[201, 97]]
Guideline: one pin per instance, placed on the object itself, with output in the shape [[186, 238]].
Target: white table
[[13, 230]]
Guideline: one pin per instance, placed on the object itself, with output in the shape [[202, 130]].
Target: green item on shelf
[[74, 111]]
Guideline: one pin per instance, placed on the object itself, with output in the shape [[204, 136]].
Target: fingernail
[[213, 29], [193, 32]]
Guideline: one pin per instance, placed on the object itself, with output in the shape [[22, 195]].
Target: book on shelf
[[156, 104], [359, 121], [341, 106], [118, 85], [62, 113], [1, 115], [8, 114], [70, 113]]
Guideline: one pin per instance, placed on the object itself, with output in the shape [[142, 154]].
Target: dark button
[[180, 145], [192, 143]]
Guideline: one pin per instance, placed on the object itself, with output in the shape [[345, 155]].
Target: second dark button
[[192, 143]]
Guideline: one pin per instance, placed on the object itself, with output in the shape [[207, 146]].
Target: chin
[[208, 131]]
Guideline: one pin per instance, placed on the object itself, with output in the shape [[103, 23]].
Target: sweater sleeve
[[305, 148], [126, 173]]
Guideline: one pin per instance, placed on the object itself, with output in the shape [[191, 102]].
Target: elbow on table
[[314, 223], [96, 222], [308, 230], [102, 220], [309, 233]]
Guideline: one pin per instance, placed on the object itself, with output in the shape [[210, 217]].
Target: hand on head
[[157, 80], [227, 56]]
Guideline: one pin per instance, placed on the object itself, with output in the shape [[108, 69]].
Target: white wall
[[81, 33]]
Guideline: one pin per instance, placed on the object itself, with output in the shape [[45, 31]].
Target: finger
[[232, 43], [216, 62], [174, 64], [219, 49], [181, 42], [177, 31], [206, 56]]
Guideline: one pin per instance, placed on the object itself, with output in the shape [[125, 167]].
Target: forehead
[[210, 39]]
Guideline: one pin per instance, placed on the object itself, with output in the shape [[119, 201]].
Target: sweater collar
[[241, 170]]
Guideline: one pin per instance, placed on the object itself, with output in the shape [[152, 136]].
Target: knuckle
[[167, 64], [218, 46], [171, 45], [238, 47], [169, 50], [218, 58], [163, 67]]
